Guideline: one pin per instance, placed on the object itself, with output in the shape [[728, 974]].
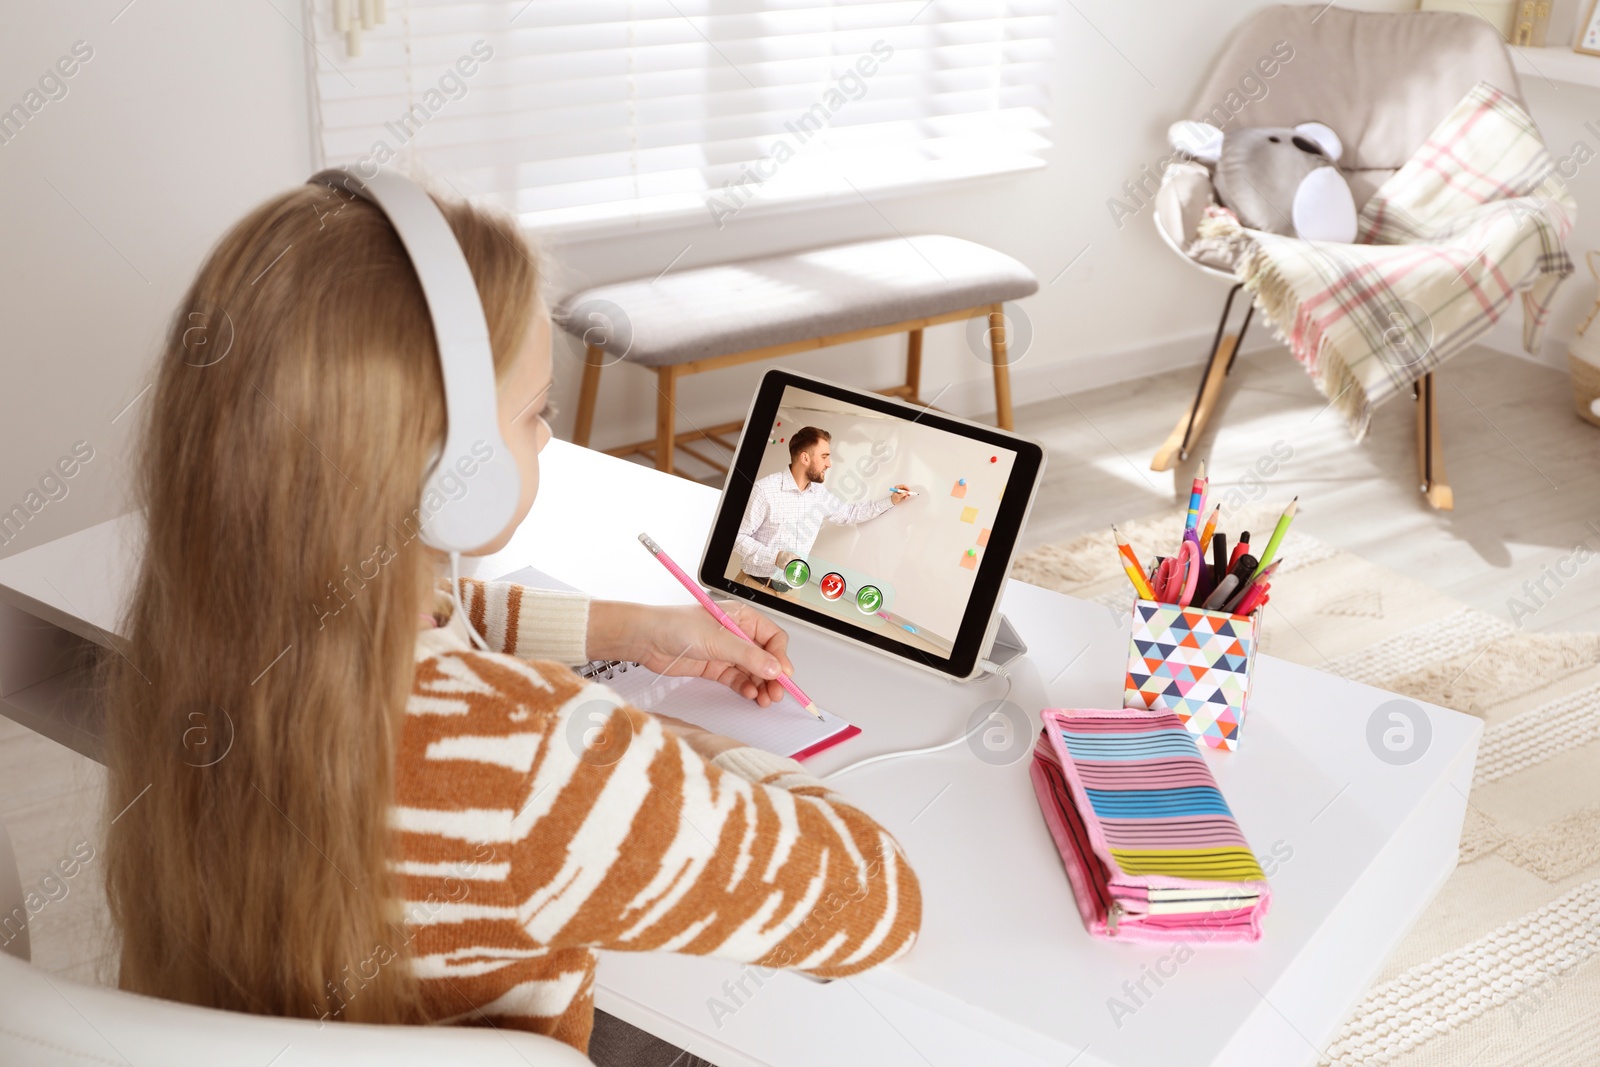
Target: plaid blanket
[[1476, 215]]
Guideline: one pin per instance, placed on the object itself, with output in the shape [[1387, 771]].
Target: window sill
[[699, 215]]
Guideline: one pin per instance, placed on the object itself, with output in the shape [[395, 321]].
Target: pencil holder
[[1194, 663]]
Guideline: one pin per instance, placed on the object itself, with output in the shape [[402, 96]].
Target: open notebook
[[784, 728]]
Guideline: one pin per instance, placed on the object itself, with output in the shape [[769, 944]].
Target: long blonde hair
[[254, 711]]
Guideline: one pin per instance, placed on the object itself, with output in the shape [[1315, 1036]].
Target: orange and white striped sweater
[[529, 838]]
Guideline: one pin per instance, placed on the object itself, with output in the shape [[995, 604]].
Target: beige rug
[[1501, 968]]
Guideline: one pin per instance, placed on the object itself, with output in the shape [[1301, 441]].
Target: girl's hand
[[687, 641]]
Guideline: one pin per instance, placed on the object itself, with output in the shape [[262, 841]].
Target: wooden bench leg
[[587, 394], [1002, 373], [914, 366], [666, 409], [1430, 456]]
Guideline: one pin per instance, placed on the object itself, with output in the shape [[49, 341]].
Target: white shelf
[[1558, 64]]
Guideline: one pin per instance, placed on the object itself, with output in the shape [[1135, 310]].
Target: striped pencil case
[[1150, 846]]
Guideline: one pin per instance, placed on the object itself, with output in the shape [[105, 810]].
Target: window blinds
[[588, 113]]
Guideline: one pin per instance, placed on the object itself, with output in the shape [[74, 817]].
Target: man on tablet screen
[[788, 507]]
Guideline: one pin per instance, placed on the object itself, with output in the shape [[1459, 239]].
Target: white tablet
[[884, 523]]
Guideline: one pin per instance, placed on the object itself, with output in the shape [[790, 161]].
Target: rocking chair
[[1383, 82]]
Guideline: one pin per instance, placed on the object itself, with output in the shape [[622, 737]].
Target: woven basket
[[1585, 387]]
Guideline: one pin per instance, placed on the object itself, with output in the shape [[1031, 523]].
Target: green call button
[[797, 572]]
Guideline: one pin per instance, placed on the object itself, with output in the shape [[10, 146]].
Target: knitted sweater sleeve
[[526, 622], [746, 857], [620, 836]]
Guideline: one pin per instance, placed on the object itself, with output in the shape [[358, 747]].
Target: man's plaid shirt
[[781, 517]]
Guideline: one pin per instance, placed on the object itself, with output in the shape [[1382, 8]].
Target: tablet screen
[[865, 514]]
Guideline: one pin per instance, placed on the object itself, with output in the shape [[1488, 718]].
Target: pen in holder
[[1195, 663]]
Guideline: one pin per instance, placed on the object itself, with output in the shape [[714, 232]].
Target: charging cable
[[988, 667], [455, 591]]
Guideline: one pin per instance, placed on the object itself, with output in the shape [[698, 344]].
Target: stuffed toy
[[1279, 179]]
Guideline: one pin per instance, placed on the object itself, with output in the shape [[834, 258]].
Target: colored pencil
[[1130, 563], [1210, 527], [1277, 534], [1192, 520]]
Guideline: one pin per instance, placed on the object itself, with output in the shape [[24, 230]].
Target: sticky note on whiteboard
[[969, 514], [969, 561], [959, 489], [983, 537]]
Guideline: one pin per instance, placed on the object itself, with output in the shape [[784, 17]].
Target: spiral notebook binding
[[604, 669]]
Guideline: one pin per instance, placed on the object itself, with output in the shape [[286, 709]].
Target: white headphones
[[467, 499]]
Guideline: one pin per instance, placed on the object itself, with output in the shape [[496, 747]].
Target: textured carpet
[[1501, 968]]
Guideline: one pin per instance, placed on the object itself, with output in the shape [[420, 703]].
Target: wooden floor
[[1526, 473]]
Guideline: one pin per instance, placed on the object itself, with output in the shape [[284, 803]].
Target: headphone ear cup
[[464, 510]]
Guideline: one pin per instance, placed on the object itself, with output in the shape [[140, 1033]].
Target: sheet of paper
[[785, 727]]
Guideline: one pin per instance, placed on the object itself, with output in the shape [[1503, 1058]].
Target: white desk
[[1003, 972]]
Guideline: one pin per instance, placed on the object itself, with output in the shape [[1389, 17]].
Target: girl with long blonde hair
[[329, 803]]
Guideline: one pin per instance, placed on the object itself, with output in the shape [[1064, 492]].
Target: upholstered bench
[[687, 322]]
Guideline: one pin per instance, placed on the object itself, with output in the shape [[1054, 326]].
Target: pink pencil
[[720, 615]]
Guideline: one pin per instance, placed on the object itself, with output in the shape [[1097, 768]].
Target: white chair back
[[1382, 80], [47, 1021]]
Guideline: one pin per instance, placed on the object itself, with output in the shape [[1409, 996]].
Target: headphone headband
[[472, 486]]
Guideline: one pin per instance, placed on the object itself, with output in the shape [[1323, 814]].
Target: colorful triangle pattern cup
[[1194, 663]]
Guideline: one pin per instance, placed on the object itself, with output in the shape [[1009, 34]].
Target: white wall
[[1562, 112], [189, 113]]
